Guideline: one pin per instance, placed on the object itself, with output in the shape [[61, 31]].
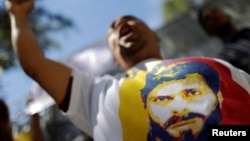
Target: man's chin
[[194, 125], [131, 48]]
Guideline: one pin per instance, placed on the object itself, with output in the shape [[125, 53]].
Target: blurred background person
[[34, 134], [217, 23], [5, 124]]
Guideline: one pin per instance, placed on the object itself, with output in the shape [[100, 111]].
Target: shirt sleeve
[[78, 110]]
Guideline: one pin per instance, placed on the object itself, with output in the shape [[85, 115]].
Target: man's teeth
[[124, 43], [128, 44]]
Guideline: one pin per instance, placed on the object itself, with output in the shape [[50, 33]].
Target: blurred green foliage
[[43, 23]]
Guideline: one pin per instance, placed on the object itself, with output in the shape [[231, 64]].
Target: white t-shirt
[[170, 99]]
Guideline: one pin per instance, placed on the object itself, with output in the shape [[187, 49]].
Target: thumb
[[8, 4]]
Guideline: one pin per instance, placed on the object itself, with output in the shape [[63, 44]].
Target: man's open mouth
[[124, 30]]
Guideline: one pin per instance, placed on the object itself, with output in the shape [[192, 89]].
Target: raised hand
[[19, 8]]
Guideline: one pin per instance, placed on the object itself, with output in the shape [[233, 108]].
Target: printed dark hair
[[210, 76]]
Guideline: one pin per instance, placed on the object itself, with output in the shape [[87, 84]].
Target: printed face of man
[[181, 105]]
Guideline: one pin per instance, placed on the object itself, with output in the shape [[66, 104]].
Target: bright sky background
[[91, 18]]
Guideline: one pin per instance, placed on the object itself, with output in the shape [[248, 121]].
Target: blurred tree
[[173, 8], [42, 21]]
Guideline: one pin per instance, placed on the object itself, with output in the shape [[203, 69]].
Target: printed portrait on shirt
[[178, 100], [181, 101]]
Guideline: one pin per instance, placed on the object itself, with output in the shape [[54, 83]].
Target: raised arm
[[52, 76]]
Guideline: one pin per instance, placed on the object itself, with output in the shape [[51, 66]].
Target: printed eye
[[191, 92], [162, 99]]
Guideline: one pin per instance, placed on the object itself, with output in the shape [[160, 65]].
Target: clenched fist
[[19, 8]]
